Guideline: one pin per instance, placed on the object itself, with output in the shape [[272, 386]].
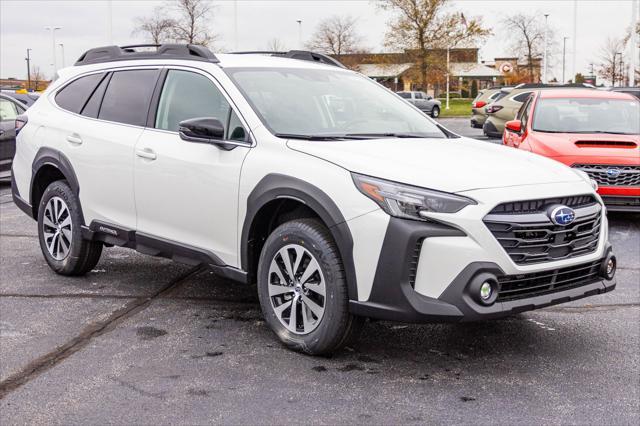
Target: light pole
[[62, 52], [614, 74], [53, 45], [28, 59], [447, 103], [564, 52], [546, 28], [299, 21]]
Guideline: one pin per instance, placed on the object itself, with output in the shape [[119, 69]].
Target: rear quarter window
[[521, 97], [128, 96], [74, 95]]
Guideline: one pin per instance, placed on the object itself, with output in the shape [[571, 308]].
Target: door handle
[[74, 139], [146, 153]]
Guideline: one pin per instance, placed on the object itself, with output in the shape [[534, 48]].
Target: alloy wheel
[[297, 289], [57, 227]]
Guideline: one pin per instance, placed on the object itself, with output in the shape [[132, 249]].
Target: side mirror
[[514, 126], [202, 130]]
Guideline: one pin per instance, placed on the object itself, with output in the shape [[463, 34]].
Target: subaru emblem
[[613, 172], [562, 215]]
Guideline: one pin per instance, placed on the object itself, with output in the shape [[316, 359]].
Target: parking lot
[[145, 340]]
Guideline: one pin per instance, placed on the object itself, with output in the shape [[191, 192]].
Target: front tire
[[303, 290], [435, 112], [60, 235]]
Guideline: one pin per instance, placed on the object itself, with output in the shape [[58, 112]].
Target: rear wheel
[[435, 112], [303, 290], [60, 235]]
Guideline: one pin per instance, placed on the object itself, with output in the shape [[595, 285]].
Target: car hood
[[452, 165], [564, 144]]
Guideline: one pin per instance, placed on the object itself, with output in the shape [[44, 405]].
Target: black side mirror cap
[[201, 130]]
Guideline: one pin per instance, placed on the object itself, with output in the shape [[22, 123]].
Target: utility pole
[[614, 74], [53, 46], [564, 52], [299, 21], [28, 59], [447, 103], [62, 51], [574, 40], [546, 28]]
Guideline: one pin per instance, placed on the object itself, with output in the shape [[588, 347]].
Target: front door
[[187, 192]]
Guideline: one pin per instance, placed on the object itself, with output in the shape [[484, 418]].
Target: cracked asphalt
[[143, 340]]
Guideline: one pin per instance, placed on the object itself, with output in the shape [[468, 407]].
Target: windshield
[[328, 103], [587, 115]]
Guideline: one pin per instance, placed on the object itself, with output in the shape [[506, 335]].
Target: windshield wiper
[[605, 132], [309, 137], [387, 135]]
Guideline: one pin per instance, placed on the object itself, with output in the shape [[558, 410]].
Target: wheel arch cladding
[[275, 187], [48, 166]]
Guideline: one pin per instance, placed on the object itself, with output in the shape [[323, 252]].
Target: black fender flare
[[52, 157], [277, 186]]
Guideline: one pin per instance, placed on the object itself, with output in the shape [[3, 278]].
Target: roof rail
[[304, 55], [162, 51], [551, 86]]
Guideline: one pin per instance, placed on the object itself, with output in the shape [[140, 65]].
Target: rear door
[[8, 112], [109, 114]]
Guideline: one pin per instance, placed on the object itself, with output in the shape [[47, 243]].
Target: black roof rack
[[551, 86], [304, 55], [162, 51]]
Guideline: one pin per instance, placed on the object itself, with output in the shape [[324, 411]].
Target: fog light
[[486, 290]]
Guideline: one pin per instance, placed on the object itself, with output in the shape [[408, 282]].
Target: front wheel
[[60, 235], [303, 290], [435, 112]]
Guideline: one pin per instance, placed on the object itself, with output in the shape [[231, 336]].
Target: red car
[[595, 131]]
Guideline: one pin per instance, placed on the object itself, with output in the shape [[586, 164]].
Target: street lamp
[[564, 52], [299, 21], [62, 52], [546, 28], [53, 45], [613, 72], [28, 59]]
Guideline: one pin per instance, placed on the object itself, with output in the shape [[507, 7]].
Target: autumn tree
[[336, 35], [157, 28], [418, 26], [609, 65]]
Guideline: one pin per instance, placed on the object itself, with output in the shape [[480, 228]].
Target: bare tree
[[336, 35], [191, 22], [526, 32], [276, 45], [609, 65], [37, 78], [421, 25], [157, 28]]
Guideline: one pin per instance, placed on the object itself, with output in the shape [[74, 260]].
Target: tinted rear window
[[93, 104], [73, 96], [521, 97], [128, 96]]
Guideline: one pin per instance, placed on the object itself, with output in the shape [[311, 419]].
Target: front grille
[[513, 287], [413, 263], [612, 175], [612, 200], [537, 206], [532, 238]]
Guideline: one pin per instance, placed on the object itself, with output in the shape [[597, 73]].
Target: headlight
[[409, 202]]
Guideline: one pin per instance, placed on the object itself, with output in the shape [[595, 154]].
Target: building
[[18, 84], [400, 71]]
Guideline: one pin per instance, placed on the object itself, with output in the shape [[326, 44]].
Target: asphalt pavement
[[143, 340]]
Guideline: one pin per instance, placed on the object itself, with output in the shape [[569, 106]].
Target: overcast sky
[[84, 25]]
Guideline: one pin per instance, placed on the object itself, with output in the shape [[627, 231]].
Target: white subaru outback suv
[[333, 195]]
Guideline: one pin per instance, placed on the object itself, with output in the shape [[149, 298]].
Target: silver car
[[424, 102]]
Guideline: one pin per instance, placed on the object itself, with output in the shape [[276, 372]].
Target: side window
[[8, 110], [526, 113], [127, 97], [521, 97], [235, 129], [73, 96], [92, 107], [418, 95], [189, 95]]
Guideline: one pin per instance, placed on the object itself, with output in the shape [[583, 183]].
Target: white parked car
[[337, 198]]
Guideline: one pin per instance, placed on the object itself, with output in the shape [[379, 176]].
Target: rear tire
[[60, 233], [435, 112], [316, 294]]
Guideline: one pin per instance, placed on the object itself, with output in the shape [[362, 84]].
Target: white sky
[[85, 25]]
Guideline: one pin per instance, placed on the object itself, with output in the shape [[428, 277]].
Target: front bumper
[[394, 296]]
